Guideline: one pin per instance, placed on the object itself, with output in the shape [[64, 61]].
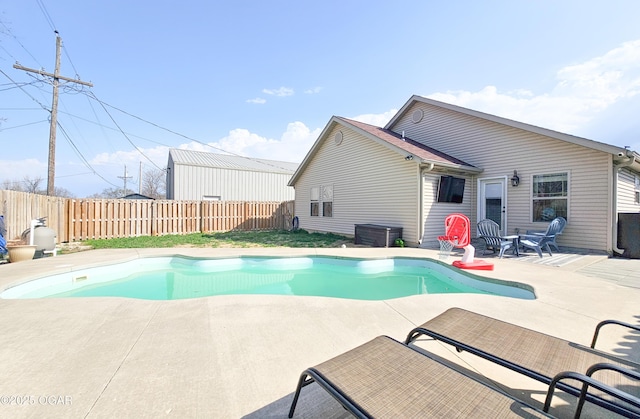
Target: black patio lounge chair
[[537, 355]]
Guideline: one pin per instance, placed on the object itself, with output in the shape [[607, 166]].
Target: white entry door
[[492, 203]]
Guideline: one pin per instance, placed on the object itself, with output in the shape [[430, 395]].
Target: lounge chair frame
[[310, 376], [415, 377], [502, 360]]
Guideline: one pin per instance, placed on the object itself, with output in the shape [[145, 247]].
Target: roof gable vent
[[417, 115]]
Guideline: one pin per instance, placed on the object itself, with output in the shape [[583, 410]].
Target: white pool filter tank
[[44, 238]]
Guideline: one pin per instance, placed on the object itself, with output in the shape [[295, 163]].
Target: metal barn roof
[[225, 161]]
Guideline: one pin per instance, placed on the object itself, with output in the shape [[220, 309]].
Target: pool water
[[175, 278]]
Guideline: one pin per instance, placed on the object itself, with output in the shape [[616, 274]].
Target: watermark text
[[30, 400]]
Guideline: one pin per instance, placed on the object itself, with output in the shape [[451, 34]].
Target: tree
[[154, 183], [32, 185], [110, 193], [27, 184], [62, 192]]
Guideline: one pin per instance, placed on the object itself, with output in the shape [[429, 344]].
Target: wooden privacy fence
[[82, 219]]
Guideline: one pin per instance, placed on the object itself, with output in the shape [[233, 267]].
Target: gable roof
[[392, 140], [225, 161], [619, 153], [407, 145]]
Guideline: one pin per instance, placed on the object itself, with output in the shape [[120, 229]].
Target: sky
[[262, 79]]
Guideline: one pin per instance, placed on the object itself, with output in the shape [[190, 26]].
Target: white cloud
[[292, 145], [258, 100], [16, 170], [314, 90], [598, 96], [132, 158], [582, 92], [379, 120], [283, 91]]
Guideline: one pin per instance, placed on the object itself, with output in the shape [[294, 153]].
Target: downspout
[[421, 206], [629, 162]]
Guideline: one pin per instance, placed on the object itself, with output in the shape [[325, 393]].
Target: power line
[[8, 30], [47, 17], [25, 92], [81, 156], [54, 109], [179, 134], [122, 131], [24, 125], [84, 160]]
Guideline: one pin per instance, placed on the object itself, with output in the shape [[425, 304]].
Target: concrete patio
[[241, 356]]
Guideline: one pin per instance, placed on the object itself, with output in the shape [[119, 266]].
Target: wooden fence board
[[82, 219]]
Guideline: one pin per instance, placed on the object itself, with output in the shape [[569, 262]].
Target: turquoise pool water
[[174, 278]]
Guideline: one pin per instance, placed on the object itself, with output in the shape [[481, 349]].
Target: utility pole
[[54, 109], [140, 180], [125, 177]]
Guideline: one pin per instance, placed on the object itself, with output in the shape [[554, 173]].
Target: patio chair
[[489, 231], [537, 241], [537, 355], [563, 224], [385, 379]]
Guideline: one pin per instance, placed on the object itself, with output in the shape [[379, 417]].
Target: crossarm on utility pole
[[54, 110], [44, 73]]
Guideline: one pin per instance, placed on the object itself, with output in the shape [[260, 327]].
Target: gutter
[[423, 171], [631, 158]]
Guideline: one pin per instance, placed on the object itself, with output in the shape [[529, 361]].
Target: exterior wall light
[[409, 157], [515, 180]]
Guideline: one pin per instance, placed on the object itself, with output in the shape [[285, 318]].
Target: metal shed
[[198, 175]]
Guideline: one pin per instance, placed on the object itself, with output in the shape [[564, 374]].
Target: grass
[[242, 239]]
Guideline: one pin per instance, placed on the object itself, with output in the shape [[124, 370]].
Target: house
[[197, 175], [433, 159], [136, 196]]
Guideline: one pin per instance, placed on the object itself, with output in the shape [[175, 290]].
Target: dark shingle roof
[[412, 147]]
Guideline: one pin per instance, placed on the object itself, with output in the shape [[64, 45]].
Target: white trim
[[505, 182], [568, 197]]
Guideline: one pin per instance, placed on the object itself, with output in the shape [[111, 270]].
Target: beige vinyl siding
[[500, 149], [371, 185], [436, 212], [626, 191], [195, 183]]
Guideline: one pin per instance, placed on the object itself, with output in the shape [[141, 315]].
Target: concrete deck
[[241, 356]]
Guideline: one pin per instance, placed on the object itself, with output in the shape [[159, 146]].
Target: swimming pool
[[177, 277]]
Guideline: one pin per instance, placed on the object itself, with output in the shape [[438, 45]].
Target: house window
[[327, 201], [322, 196], [637, 190], [315, 202], [550, 196]]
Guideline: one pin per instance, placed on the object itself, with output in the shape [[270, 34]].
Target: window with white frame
[[322, 197], [550, 196], [637, 190], [315, 201], [327, 201]]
